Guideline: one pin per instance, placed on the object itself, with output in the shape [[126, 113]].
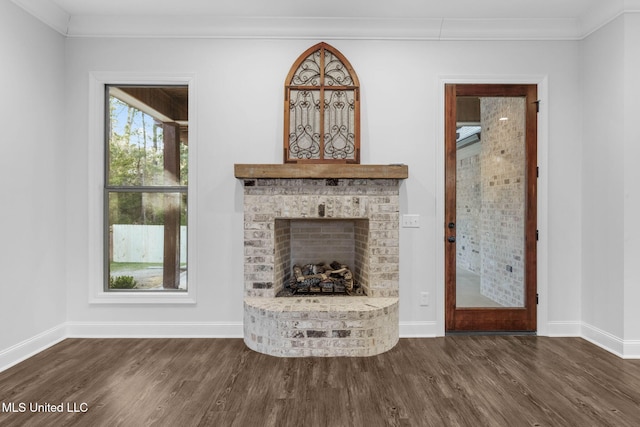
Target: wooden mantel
[[321, 170]]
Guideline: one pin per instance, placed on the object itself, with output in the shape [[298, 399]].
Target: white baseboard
[[603, 339], [564, 329], [629, 349], [155, 330], [626, 349], [32, 346], [418, 330]]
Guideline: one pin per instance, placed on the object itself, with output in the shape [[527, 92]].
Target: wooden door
[[490, 207]]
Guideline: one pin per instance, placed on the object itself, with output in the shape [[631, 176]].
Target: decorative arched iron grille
[[322, 109]]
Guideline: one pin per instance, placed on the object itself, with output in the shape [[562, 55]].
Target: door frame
[[485, 319]]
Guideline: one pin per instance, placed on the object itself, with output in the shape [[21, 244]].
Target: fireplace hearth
[[295, 216]]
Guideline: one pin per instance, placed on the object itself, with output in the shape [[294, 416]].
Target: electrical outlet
[[424, 298], [411, 221]]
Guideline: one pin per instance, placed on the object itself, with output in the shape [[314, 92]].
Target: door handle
[[451, 239]]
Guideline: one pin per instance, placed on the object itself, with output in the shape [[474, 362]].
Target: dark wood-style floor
[[450, 381]]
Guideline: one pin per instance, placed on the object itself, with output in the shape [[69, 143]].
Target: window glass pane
[[491, 203], [146, 188], [147, 242], [147, 136]]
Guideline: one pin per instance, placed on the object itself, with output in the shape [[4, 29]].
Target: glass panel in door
[[490, 202]]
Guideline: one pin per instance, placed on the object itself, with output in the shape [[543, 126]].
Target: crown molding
[[604, 12], [324, 28], [47, 12], [203, 26], [511, 29], [163, 26]]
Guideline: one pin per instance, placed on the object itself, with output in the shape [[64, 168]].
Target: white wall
[[611, 190], [239, 120], [603, 180], [632, 185], [33, 194]]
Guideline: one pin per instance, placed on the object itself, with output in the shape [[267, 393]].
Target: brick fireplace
[[351, 212]]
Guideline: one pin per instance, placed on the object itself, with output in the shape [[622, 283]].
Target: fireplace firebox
[[305, 248]]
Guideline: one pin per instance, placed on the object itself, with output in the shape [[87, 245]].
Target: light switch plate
[[411, 221]]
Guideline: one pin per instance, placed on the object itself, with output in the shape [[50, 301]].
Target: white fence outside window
[[143, 243]]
